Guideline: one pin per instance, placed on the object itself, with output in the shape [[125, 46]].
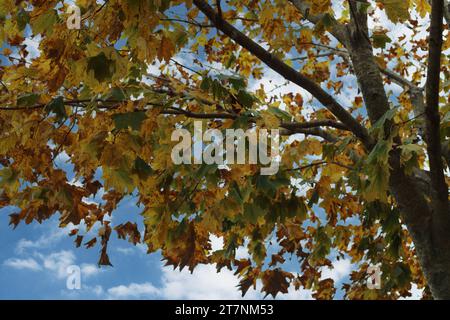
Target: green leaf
[[362, 6], [235, 193], [142, 169], [230, 61], [27, 100], [314, 198], [264, 183], [380, 153], [379, 40], [252, 211], [57, 107], [9, 178], [245, 99], [283, 115], [102, 67], [236, 82], [296, 208], [378, 127], [396, 10], [22, 19], [322, 247], [378, 183], [131, 119], [326, 22], [377, 169], [116, 94], [118, 178], [206, 83], [44, 22], [258, 251]]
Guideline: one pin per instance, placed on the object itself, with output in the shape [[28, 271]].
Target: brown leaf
[[91, 243], [166, 49], [275, 281], [78, 241], [129, 230]]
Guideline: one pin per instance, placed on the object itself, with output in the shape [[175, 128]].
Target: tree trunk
[[432, 243], [431, 237]]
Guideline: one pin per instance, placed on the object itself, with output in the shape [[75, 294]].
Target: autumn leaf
[[101, 66], [275, 281], [166, 49], [57, 107], [131, 120], [396, 10]]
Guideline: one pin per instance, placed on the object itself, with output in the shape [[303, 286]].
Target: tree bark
[[431, 235], [440, 218]]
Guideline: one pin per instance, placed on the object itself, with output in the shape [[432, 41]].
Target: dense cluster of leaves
[[110, 94]]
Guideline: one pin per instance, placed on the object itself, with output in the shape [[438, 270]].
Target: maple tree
[[364, 178]]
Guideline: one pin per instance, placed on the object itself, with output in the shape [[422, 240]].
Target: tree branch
[[447, 11], [432, 117], [337, 30], [320, 163], [398, 79], [366, 68], [446, 8], [287, 72], [193, 22], [308, 128]]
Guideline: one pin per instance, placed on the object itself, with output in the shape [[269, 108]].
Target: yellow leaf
[[270, 120], [202, 40], [423, 7], [319, 6], [396, 10]]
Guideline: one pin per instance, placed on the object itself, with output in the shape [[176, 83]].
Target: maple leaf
[[396, 10], [275, 281], [166, 49], [128, 229], [245, 284], [90, 243], [131, 119], [101, 66]]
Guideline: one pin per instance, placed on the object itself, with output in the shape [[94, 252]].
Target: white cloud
[[125, 251], [86, 291], [54, 235], [293, 294], [57, 262], [22, 264], [203, 283], [341, 268], [90, 270], [97, 290], [133, 291]]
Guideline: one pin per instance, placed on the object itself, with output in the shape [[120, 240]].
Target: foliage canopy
[[110, 94]]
